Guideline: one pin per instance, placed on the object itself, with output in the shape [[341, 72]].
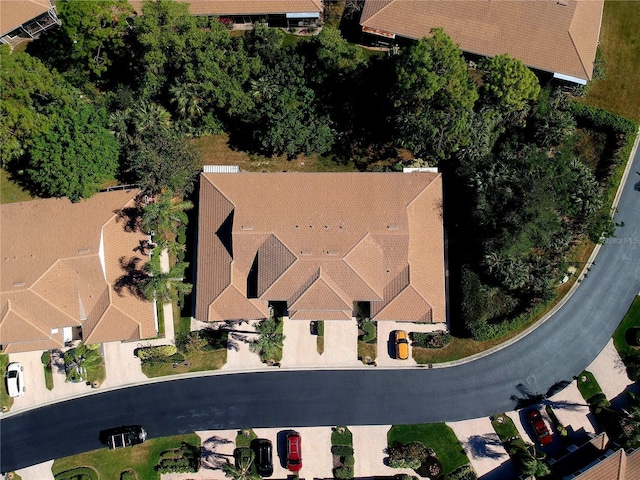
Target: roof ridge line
[[578, 53], [423, 189], [380, 10]]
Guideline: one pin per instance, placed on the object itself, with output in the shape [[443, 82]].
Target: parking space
[[369, 444], [218, 445], [37, 393]]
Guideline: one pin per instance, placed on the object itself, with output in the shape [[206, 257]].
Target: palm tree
[[186, 101], [241, 472], [269, 342], [532, 462], [165, 287], [163, 217], [81, 361]]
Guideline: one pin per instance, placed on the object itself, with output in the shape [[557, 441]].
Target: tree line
[[109, 94]]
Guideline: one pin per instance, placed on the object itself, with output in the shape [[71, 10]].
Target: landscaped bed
[[625, 340], [142, 458], [436, 436]]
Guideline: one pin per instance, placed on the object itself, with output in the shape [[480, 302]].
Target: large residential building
[[555, 36], [318, 243], [60, 263], [244, 13], [25, 19]]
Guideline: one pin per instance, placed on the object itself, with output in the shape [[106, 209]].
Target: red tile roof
[[558, 36], [59, 263], [321, 242], [245, 7]]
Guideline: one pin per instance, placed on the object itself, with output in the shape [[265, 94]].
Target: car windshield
[[294, 462], [13, 374]]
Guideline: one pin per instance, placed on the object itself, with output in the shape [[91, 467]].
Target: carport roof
[[244, 7]]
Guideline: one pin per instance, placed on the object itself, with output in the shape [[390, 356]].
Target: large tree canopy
[[91, 35], [508, 83], [75, 156], [434, 96]]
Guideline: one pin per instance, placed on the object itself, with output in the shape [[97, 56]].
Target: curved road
[[538, 364]]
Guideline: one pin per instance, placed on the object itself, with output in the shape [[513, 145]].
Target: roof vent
[[561, 3], [393, 227], [306, 253], [333, 253], [247, 227], [18, 284], [83, 251]]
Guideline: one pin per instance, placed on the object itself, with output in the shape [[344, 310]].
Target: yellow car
[[402, 344]]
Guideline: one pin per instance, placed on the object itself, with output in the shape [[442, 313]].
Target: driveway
[[484, 448]]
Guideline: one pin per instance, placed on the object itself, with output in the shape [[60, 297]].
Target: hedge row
[[80, 473]]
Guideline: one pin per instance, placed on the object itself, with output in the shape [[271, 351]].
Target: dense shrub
[[185, 459], [465, 472], [159, 351], [342, 450], [348, 460], [343, 473], [438, 339], [80, 473], [128, 475], [369, 328]]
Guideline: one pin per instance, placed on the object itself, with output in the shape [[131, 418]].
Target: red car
[[539, 427], [294, 452]]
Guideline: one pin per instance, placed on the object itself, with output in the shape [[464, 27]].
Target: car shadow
[[391, 345]]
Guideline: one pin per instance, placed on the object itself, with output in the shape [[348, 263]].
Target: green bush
[[128, 475], [80, 473], [348, 460], [463, 473], [343, 473], [438, 339], [370, 332], [185, 459], [147, 353], [556, 423], [341, 450], [599, 401], [404, 463]]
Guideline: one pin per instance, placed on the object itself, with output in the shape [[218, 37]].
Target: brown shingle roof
[[244, 7], [14, 13], [550, 35], [321, 242], [59, 262]]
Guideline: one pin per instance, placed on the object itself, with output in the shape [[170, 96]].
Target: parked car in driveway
[[543, 435], [14, 379], [294, 452], [401, 341], [263, 450]]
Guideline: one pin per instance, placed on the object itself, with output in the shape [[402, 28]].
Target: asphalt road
[[537, 365]]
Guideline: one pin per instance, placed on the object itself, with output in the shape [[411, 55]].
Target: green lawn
[[588, 385], [620, 47], [141, 458], [631, 319], [198, 362], [10, 191], [437, 436], [344, 438], [507, 431], [5, 399]]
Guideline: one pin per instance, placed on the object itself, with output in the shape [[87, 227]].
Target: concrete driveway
[[484, 448], [340, 344]]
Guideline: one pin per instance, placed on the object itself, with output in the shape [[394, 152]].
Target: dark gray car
[[264, 456]]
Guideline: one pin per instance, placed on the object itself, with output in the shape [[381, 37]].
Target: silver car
[[15, 380]]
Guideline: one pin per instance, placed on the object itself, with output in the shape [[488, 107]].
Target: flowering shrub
[[226, 21]]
